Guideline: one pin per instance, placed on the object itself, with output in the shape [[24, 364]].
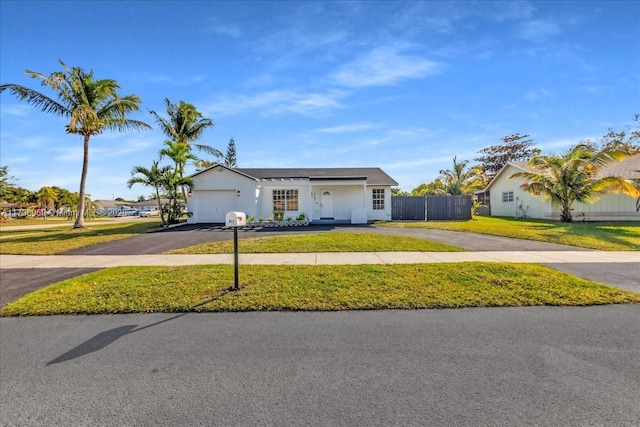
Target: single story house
[[508, 199], [352, 195]]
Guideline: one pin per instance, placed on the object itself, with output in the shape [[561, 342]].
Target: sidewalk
[[320, 258]]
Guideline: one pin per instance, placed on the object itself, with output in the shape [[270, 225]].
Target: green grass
[[321, 242], [206, 288], [608, 236], [51, 241]]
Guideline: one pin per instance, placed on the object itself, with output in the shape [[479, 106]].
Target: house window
[[285, 200], [378, 199], [507, 196]]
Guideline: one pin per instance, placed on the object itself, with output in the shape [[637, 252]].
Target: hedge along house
[[508, 199], [345, 195]]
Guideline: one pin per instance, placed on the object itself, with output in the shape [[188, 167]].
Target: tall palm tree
[[185, 125], [154, 177], [91, 106], [574, 176]]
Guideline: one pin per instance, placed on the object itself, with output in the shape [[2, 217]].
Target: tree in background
[[7, 183], [433, 188], [515, 148], [460, 179], [47, 198], [230, 157], [574, 176], [627, 140], [92, 106]]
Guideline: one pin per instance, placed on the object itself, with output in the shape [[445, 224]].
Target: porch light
[[238, 193]]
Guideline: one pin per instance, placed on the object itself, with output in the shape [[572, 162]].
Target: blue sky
[[405, 86]]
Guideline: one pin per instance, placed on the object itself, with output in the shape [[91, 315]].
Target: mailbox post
[[235, 220]]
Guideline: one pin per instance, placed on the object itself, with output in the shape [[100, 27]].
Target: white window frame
[[288, 197], [507, 197], [378, 199]]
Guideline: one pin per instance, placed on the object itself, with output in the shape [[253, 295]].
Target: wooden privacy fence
[[431, 208]]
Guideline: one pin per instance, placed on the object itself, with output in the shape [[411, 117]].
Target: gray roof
[[629, 168], [373, 176]]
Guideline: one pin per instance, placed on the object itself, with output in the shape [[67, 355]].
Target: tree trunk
[[160, 206], [565, 216], [83, 179]]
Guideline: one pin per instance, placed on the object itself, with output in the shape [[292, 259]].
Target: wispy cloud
[[20, 110], [351, 127], [277, 102], [536, 95], [384, 66], [165, 79], [228, 30], [538, 30]]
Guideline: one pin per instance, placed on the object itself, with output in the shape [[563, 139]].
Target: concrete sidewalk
[[319, 258]]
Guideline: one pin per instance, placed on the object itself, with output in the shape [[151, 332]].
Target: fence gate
[[448, 208], [408, 208]]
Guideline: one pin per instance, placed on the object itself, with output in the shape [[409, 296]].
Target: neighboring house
[[148, 205], [508, 199], [353, 195]]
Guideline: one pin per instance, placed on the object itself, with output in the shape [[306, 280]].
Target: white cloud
[[277, 102], [538, 30], [20, 110], [535, 95], [384, 66], [351, 127]]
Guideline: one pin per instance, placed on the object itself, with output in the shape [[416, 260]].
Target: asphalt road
[[534, 366]]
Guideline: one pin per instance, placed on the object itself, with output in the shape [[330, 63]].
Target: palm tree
[[458, 180], [574, 176], [47, 197], [91, 106], [185, 125], [172, 182], [154, 177]]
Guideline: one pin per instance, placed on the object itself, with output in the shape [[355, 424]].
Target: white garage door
[[213, 205]]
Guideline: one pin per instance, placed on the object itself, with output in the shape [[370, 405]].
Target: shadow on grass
[[54, 234], [103, 339]]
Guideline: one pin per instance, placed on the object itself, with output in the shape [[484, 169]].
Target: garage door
[[213, 205]]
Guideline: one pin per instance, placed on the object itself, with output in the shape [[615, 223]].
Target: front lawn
[[51, 241], [341, 287], [606, 236], [321, 242]]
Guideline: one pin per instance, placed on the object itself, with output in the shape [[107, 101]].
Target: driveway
[[542, 366], [188, 235]]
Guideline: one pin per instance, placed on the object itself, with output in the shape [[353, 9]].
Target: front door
[[326, 204]]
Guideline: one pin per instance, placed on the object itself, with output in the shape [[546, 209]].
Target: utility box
[[235, 219]]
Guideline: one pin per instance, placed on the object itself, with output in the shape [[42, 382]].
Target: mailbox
[[235, 219]]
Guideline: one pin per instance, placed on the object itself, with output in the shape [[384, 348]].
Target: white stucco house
[[351, 195], [508, 199]]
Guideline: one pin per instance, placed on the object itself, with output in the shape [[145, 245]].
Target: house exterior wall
[[352, 198], [264, 200], [609, 207], [221, 179], [383, 214]]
